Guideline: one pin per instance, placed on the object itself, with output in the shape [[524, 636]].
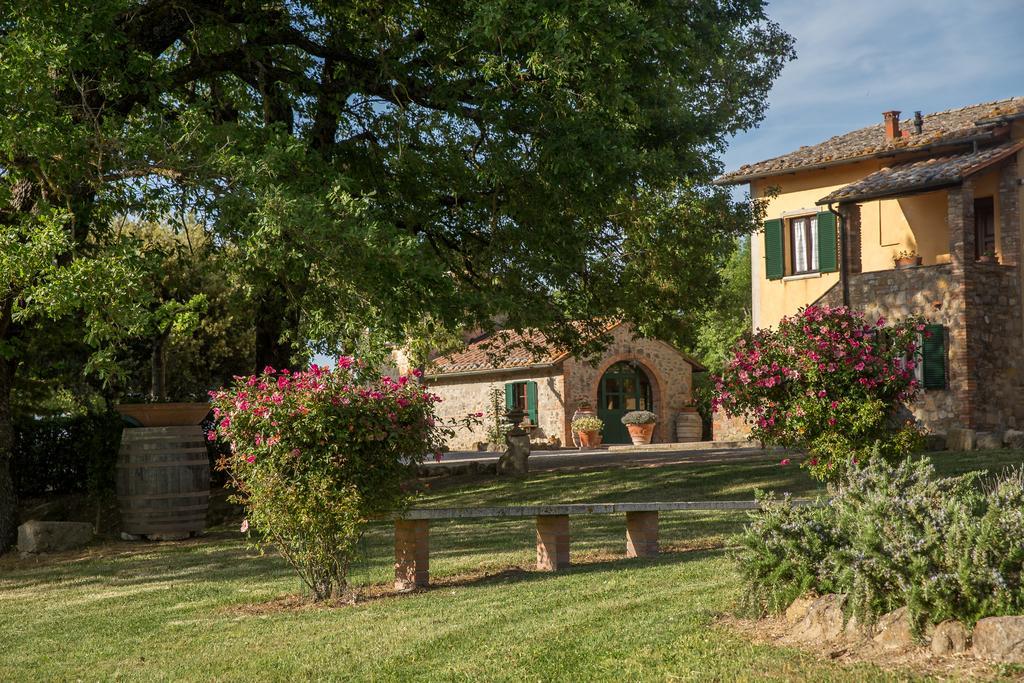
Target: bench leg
[[412, 554], [552, 542], [641, 534]]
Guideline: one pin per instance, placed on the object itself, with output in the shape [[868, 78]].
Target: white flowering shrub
[[893, 535]]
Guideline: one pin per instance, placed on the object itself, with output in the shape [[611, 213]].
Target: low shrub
[[588, 423], [63, 455], [639, 417], [316, 454], [893, 535]]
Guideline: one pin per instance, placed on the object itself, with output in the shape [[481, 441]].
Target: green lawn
[[185, 610]]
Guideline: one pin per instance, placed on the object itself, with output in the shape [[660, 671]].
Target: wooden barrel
[[163, 481], [688, 427]]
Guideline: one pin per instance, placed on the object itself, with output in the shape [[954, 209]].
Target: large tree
[[379, 164]]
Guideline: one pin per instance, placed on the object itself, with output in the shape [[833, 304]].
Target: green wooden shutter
[[510, 396], [828, 254], [531, 401], [774, 254], [933, 356]]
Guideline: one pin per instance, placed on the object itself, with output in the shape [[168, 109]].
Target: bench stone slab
[[576, 509]]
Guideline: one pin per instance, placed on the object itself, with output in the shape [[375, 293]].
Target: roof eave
[[739, 180], [883, 194]]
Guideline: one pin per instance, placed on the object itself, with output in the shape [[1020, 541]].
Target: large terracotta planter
[[641, 434], [590, 439], [164, 414]]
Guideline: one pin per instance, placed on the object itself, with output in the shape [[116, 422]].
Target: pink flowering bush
[[828, 382], [316, 454]]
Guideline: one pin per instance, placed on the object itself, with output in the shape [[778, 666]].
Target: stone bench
[[412, 531]]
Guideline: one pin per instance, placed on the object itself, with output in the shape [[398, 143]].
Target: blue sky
[[858, 58]]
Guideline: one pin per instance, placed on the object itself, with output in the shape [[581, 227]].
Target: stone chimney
[[892, 124]]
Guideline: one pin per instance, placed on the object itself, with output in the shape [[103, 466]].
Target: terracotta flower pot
[[910, 262], [164, 414], [641, 434], [590, 439]]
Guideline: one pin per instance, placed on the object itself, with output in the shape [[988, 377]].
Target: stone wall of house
[[670, 373], [726, 427], [926, 291], [471, 394]]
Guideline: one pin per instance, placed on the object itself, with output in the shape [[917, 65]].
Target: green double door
[[624, 387]]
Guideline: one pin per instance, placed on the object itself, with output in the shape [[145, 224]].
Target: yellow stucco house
[[941, 190]]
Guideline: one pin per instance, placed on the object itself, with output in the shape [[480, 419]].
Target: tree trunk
[[158, 369], [276, 324], [8, 502]]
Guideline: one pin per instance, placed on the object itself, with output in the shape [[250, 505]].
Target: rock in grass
[[1000, 639], [35, 536], [987, 441], [893, 630], [824, 619], [798, 609], [1013, 438], [958, 439], [950, 637]]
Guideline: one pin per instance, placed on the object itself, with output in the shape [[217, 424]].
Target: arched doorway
[[624, 387]]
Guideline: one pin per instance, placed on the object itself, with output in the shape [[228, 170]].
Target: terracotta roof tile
[[919, 175], [503, 350], [941, 128]]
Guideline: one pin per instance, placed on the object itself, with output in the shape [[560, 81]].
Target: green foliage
[[497, 426], [893, 535], [316, 454], [639, 417], [59, 455], [588, 423], [725, 320]]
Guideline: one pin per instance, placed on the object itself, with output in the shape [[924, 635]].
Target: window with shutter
[[774, 256], [933, 357], [828, 253], [531, 401]]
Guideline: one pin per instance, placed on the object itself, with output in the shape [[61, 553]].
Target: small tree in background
[[316, 454], [828, 382]]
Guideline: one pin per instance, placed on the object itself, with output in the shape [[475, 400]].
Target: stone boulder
[[987, 441], [1013, 438], [958, 439], [949, 638], [823, 619], [798, 609], [36, 536], [1000, 639], [893, 630]]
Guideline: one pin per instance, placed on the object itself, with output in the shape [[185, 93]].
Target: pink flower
[[296, 452], [345, 362], [785, 461], [417, 373], [211, 436], [245, 524]]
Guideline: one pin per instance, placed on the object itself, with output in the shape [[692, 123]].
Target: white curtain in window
[[799, 247]]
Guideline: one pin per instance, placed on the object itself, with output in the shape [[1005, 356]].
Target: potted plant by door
[[589, 428], [640, 424], [988, 257], [907, 259]]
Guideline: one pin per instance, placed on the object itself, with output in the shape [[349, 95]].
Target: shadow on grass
[[590, 563]]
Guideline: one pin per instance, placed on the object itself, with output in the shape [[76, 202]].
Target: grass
[[199, 610]]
